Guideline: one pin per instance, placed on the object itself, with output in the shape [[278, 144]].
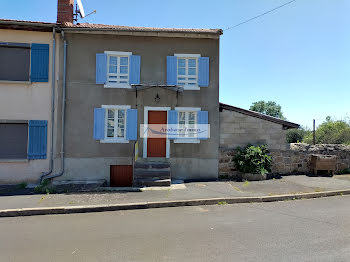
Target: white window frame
[[187, 140], [115, 139], [187, 57], [117, 54]]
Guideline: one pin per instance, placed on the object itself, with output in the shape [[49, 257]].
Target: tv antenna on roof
[[79, 10]]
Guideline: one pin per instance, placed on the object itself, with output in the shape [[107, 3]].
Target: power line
[[255, 17]]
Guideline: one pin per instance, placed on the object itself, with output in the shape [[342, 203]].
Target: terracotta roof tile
[[142, 29], [115, 27], [9, 21]]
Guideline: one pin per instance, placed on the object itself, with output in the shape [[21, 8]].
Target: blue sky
[[298, 56]]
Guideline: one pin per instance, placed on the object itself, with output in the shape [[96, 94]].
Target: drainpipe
[[63, 108], [53, 79]]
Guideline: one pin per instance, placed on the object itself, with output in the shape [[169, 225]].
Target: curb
[[161, 204]]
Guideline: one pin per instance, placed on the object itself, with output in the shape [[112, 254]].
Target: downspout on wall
[[63, 108], [53, 82]]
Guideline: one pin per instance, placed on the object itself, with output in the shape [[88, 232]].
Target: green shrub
[[344, 171], [253, 159], [295, 135], [45, 188], [22, 185], [331, 132]]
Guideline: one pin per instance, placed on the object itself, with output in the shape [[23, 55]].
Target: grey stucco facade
[[88, 159]]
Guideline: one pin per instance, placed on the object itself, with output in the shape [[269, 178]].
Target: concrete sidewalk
[[188, 191]]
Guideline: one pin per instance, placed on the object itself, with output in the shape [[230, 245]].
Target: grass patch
[[246, 183], [221, 203], [235, 188]]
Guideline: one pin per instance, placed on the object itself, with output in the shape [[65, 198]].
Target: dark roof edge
[[26, 25], [285, 123]]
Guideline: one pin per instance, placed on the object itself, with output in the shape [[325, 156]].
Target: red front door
[[156, 147]]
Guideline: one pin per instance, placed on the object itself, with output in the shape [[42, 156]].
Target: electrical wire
[[258, 16]]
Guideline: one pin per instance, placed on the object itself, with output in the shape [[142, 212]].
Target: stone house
[[113, 79], [26, 67]]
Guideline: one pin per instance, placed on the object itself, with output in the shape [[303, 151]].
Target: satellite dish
[[81, 9]]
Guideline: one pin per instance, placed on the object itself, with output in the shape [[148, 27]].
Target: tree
[[331, 132], [296, 135], [268, 108]]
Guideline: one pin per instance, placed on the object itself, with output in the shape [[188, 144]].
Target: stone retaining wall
[[292, 161]]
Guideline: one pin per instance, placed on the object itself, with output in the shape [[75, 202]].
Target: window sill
[[191, 88], [21, 160], [114, 141], [187, 141], [117, 86], [15, 82]]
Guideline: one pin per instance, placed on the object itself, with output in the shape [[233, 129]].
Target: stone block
[[246, 125]]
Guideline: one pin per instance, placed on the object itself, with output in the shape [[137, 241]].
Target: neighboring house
[[25, 100], [239, 127], [118, 78]]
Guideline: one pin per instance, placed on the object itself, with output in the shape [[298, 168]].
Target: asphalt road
[[301, 230]]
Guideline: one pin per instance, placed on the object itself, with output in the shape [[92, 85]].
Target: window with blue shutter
[[172, 120], [99, 123], [171, 70], [135, 70], [101, 68], [203, 71], [37, 139], [131, 124], [202, 120], [15, 62], [39, 63]]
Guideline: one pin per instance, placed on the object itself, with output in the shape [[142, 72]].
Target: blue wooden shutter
[[135, 70], [173, 120], [131, 124], [39, 63], [101, 68], [171, 75], [203, 71], [99, 123], [202, 120], [37, 139]]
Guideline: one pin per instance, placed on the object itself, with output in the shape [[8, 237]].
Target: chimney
[[65, 11]]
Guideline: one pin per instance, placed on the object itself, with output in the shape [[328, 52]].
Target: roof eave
[[285, 124], [162, 33], [27, 26]]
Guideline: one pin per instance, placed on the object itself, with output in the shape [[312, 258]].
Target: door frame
[[145, 118]]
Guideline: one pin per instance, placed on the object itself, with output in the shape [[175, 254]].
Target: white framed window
[[187, 118], [118, 67], [115, 124], [187, 71]]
